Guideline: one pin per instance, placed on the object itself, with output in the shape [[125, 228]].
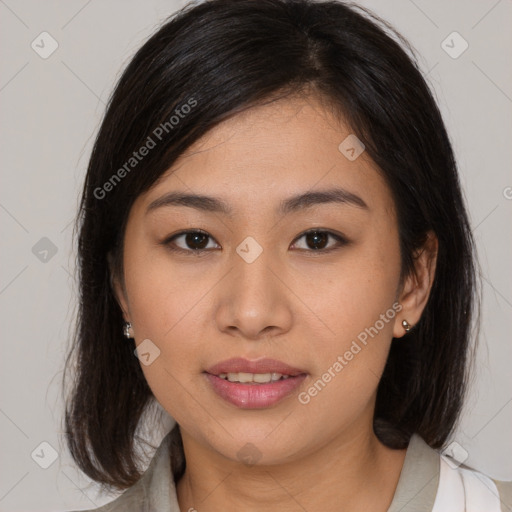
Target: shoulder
[[460, 484], [460, 487], [131, 500], [155, 491], [430, 481], [505, 493]]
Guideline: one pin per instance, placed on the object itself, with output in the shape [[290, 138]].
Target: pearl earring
[[126, 330]]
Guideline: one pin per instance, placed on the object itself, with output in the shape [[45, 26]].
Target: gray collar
[[417, 486]]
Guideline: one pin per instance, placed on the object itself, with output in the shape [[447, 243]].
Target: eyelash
[[342, 241]]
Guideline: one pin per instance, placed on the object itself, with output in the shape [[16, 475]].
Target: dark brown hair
[[227, 56]]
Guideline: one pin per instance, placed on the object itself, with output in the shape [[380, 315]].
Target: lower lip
[[254, 396]]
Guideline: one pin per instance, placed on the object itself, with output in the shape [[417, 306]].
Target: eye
[[196, 242], [317, 240]]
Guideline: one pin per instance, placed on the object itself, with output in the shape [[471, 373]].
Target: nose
[[254, 300]]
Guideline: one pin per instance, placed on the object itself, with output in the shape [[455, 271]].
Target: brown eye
[[196, 242], [318, 240], [190, 242]]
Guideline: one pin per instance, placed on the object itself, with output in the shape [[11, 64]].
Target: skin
[[294, 304]]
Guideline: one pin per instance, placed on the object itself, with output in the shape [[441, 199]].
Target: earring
[[126, 330], [406, 325]]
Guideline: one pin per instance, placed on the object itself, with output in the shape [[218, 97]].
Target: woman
[[272, 223]]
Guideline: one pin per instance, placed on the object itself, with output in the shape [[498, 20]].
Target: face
[[310, 284]]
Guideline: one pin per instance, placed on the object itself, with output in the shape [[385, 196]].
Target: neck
[[355, 470]]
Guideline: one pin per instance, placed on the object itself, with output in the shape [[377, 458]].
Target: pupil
[[194, 240], [317, 237]]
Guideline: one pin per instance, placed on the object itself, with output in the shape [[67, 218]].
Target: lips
[[241, 365], [254, 384]]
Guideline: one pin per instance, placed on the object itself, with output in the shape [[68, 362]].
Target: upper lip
[[239, 364]]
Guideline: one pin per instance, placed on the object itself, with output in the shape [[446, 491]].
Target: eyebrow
[[287, 206]]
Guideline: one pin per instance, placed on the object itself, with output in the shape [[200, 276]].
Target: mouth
[[254, 384], [253, 378]]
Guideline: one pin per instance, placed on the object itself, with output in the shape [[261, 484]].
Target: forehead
[[274, 151]]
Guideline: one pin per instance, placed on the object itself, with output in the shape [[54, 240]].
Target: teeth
[[258, 378], [263, 377], [241, 377]]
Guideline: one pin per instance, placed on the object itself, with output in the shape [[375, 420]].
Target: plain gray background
[[51, 109]]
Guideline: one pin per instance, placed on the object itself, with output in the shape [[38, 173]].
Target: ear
[[118, 288], [416, 288]]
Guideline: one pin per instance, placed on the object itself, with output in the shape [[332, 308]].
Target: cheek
[[163, 294], [164, 307], [165, 303], [350, 297], [357, 308]]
